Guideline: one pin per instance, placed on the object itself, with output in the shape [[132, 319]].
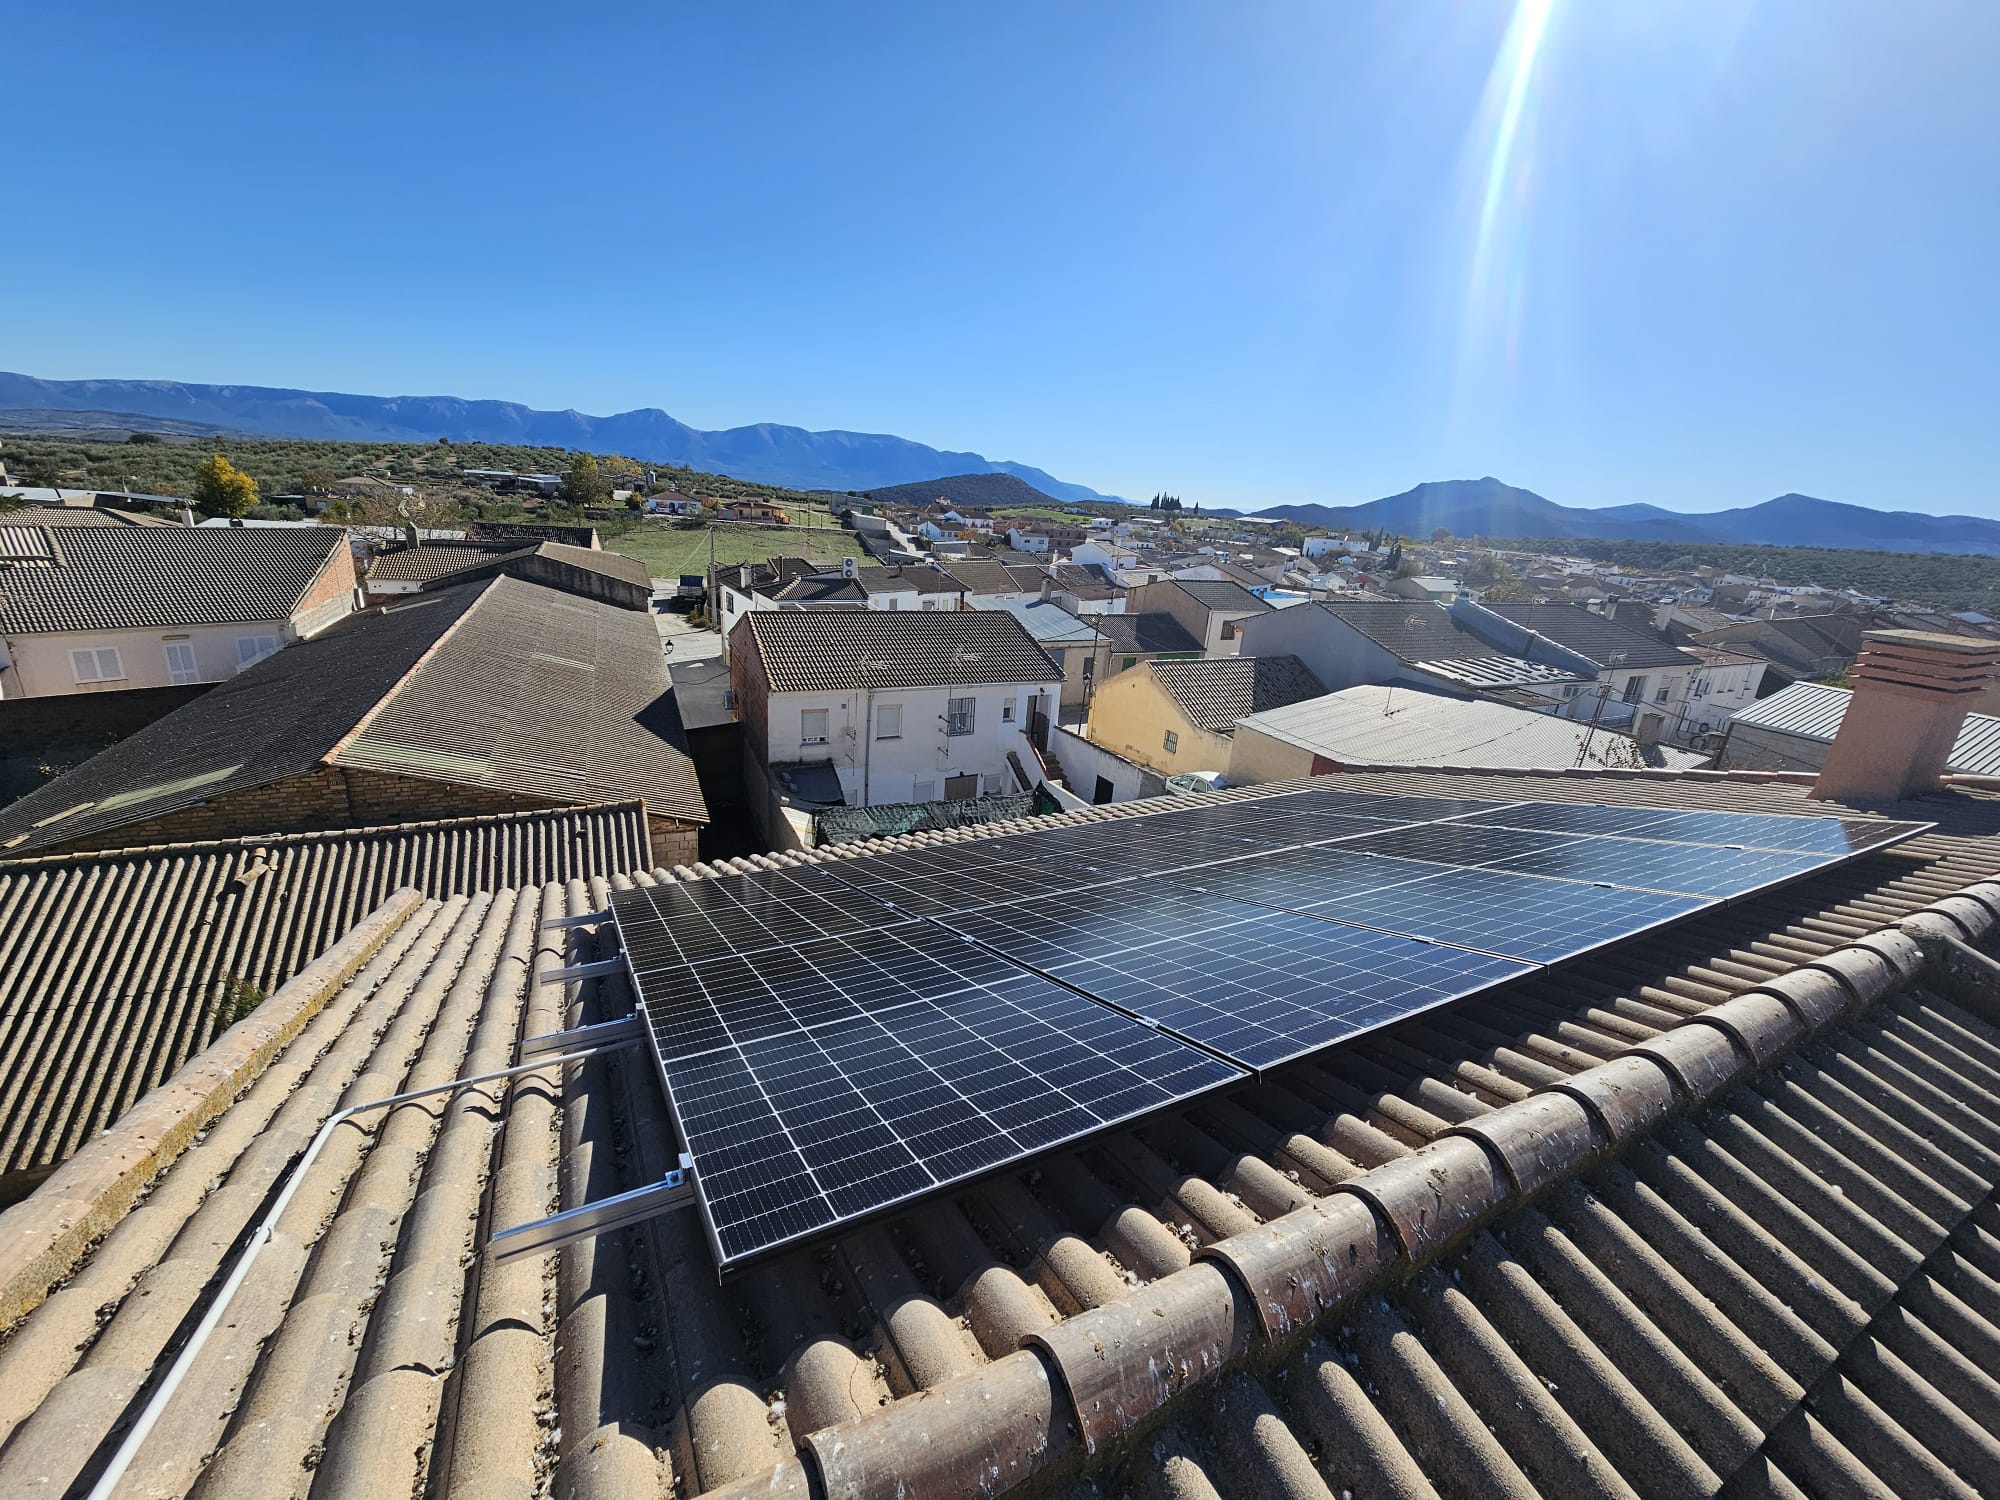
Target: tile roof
[[1412, 630], [1153, 631], [1223, 594], [1595, 636], [1373, 1272], [818, 590], [984, 576], [80, 515], [503, 685], [141, 577], [1215, 694], [904, 577], [832, 651], [112, 965], [1085, 580], [1399, 726], [435, 560], [1813, 711]]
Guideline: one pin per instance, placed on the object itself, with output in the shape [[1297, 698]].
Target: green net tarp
[[847, 825]]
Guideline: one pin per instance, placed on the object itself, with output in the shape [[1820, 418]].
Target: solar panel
[[817, 1084], [840, 1039], [1801, 835]]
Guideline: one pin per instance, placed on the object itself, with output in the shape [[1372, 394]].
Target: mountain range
[[766, 453], [1488, 507]]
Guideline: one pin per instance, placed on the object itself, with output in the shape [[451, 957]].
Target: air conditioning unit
[[849, 567]]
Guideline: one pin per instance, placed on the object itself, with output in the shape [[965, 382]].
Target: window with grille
[[958, 715]]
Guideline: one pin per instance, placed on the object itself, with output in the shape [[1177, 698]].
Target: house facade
[[1211, 609], [901, 707], [1181, 716], [105, 609]]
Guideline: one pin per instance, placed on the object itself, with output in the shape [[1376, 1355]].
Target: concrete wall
[[1750, 747], [1132, 715], [1255, 758], [1333, 651], [874, 770], [1083, 763]]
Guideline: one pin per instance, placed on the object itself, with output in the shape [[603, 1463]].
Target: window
[[923, 791], [1130, 663], [996, 786], [1173, 742], [251, 649], [181, 664], [889, 721], [1229, 630], [100, 665], [1666, 685], [958, 715], [812, 726], [1635, 690], [1006, 710]]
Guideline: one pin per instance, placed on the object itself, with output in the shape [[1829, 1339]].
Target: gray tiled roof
[[111, 965], [503, 685], [1151, 632], [1223, 594], [436, 560], [1215, 694], [479, 562], [805, 651], [901, 578], [1412, 630], [141, 577], [1595, 636], [79, 515]]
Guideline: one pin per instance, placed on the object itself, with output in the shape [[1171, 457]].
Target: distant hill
[[987, 491], [98, 426], [1488, 507], [765, 453]]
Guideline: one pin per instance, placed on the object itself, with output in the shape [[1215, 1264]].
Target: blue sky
[[1696, 254]]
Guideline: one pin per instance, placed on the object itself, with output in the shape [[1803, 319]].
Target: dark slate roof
[[1223, 594], [900, 578], [616, 565], [1595, 636], [808, 651], [436, 560], [141, 577], [111, 965], [818, 591], [79, 515], [1154, 631], [1412, 630], [1215, 694], [503, 685]]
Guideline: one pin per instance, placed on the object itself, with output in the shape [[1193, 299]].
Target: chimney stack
[[1912, 690]]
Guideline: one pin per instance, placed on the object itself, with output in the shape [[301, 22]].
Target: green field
[[671, 548]]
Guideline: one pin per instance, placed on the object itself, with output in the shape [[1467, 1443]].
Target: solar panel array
[[837, 1040]]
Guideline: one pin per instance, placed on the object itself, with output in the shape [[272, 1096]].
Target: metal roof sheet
[[1813, 711]]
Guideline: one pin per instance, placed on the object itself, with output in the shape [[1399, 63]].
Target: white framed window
[[889, 721], [812, 726], [923, 791], [959, 714], [1006, 710], [1172, 742], [97, 664], [1666, 685], [181, 664], [1635, 690], [251, 649], [996, 786]]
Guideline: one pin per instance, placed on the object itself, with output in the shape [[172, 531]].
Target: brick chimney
[[1912, 690]]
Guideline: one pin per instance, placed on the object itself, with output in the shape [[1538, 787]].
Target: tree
[[142, 437], [316, 481], [1509, 590], [222, 489], [584, 483], [41, 472], [1395, 559], [1441, 534]]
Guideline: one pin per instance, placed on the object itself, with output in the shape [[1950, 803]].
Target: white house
[[903, 706], [89, 609], [1027, 541]]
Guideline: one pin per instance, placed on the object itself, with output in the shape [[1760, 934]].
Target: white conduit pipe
[[149, 1418]]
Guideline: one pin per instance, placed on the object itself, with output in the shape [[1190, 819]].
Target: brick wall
[[333, 797], [331, 596]]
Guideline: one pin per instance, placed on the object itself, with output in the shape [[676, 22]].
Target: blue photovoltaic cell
[[1800, 835], [822, 1082], [839, 1039]]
